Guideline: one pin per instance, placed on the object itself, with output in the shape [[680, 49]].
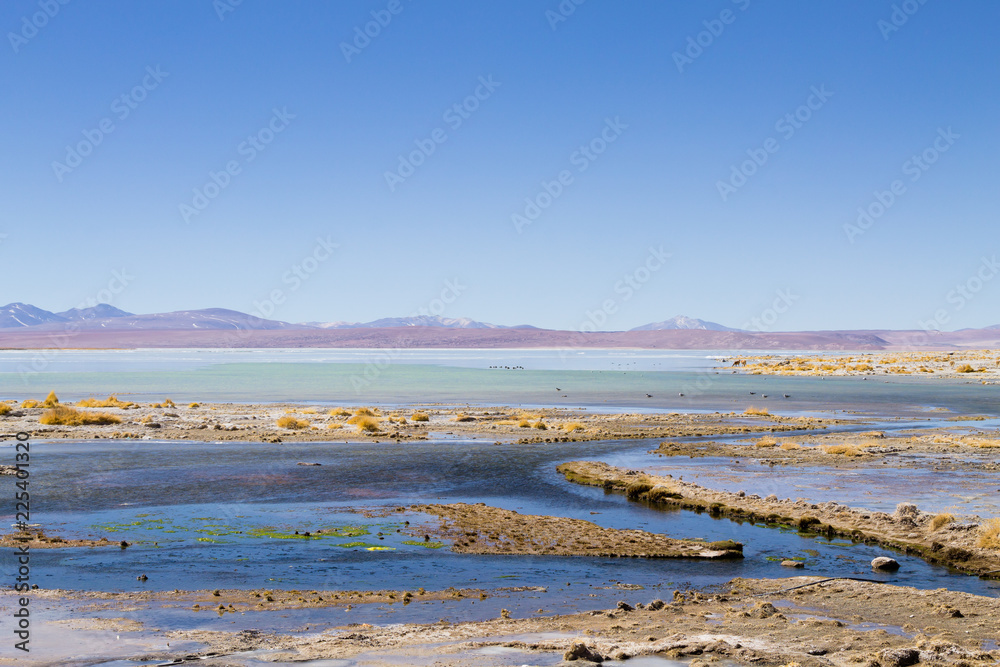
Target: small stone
[[625, 606], [580, 651], [885, 564], [793, 563], [899, 657]]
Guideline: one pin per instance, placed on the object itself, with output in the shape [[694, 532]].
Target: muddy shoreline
[[800, 620], [952, 543]]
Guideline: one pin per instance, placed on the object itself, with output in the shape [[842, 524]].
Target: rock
[[899, 657], [764, 610], [792, 563], [625, 606], [656, 605], [885, 564], [580, 651], [303, 463], [154, 425]]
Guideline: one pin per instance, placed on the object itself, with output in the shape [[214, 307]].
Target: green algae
[[421, 543]]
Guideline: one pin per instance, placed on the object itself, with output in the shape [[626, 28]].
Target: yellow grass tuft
[[966, 368], [845, 450], [292, 423], [51, 400], [767, 441], [334, 425], [462, 417], [574, 426], [61, 415], [524, 423], [757, 412], [308, 411], [194, 405], [788, 445], [940, 520], [420, 417], [365, 412], [989, 534], [540, 425], [4, 409], [339, 412], [31, 403], [365, 423], [109, 402]]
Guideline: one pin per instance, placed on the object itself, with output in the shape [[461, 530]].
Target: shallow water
[[598, 379], [183, 505]]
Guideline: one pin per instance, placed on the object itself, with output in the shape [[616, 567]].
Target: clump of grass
[[4, 408], [194, 405], [167, 403], [524, 423], [339, 412], [334, 425], [461, 417], [845, 449], [788, 445], [365, 423], [51, 400], [292, 423], [420, 417], [540, 425], [365, 412], [965, 368], [31, 403], [989, 534], [636, 489], [767, 441], [940, 520], [573, 426], [308, 411], [757, 412], [61, 415], [109, 402], [660, 493]]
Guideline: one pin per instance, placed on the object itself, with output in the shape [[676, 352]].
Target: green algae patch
[[380, 548], [426, 545]]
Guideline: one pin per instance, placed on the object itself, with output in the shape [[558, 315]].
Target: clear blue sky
[[679, 126]]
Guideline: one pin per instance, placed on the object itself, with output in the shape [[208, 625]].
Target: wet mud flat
[[798, 620], [288, 422], [480, 529]]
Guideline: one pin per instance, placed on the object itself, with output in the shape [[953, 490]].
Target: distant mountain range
[[23, 326], [683, 322], [416, 321]]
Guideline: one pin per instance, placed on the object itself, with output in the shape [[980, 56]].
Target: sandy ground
[[801, 620], [972, 365]]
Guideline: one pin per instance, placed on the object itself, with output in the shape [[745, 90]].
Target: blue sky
[[833, 99]]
